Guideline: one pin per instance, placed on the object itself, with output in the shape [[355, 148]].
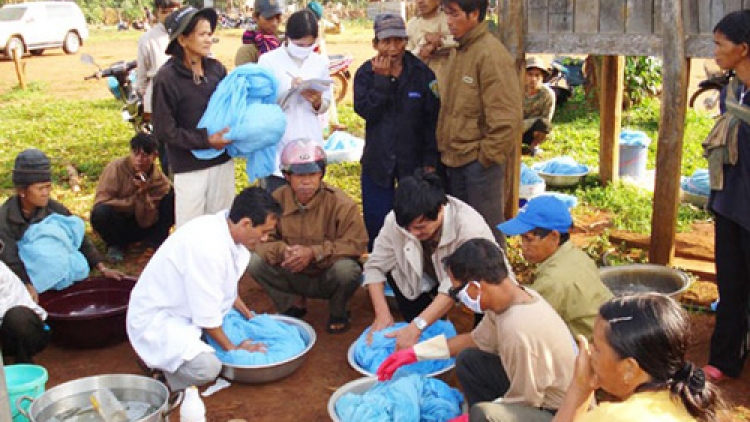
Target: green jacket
[[481, 102]]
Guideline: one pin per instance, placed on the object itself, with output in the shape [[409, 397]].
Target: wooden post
[[610, 109], [515, 40], [675, 71], [17, 54]]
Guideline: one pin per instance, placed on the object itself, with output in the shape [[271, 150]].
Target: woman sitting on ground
[[32, 178], [638, 355]]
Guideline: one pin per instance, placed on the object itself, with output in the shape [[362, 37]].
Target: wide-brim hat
[[178, 21], [534, 62]]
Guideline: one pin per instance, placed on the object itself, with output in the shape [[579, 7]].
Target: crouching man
[[190, 285], [517, 363], [320, 238]]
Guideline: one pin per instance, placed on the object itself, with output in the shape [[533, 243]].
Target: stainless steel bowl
[[699, 201], [257, 374], [640, 278], [358, 386], [442, 374], [562, 180]]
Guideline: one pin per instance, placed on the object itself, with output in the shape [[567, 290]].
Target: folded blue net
[[529, 176], [698, 183], [561, 165], [282, 340], [369, 357]]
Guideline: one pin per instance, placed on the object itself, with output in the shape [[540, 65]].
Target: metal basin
[[256, 374], [443, 374], [89, 314], [71, 401], [641, 278], [562, 180]]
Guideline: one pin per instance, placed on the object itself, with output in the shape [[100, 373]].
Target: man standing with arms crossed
[[151, 55], [479, 126]]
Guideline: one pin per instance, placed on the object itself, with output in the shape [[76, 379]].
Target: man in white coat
[[190, 284]]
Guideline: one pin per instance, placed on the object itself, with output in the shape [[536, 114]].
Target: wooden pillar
[[514, 38], [610, 109], [675, 71]]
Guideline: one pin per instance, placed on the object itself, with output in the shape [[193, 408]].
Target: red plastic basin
[[89, 314]]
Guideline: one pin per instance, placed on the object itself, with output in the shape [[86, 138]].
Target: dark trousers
[[23, 334], [538, 126], [733, 278], [120, 229], [482, 376], [482, 188], [408, 308], [377, 202]]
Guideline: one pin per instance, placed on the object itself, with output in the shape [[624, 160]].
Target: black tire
[[13, 43], [38, 52], [72, 43], [702, 95], [340, 85]]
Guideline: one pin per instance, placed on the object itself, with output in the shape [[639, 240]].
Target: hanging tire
[[340, 85], [14, 43], [72, 43], [705, 98]]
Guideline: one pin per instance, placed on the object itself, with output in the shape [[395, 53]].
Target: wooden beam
[[513, 168], [596, 44], [675, 71], [610, 109]]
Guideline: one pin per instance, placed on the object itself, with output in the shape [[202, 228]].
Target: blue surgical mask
[[472, 304]]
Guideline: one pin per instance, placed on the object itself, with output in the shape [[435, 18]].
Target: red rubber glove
[[395, 361], [462, 418]]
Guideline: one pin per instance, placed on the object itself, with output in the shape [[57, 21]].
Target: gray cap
[[268, 8], [178, 21], [31, 166], [388, 25]]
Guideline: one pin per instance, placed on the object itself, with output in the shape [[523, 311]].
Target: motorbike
[[709, 89], [121, 80], [338, 69]]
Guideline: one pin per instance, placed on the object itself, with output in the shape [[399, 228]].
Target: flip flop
[[295, 312], [338, 325]]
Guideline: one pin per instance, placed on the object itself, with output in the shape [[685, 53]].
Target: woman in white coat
[[293, 64]]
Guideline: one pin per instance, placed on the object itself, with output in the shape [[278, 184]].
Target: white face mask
[[472, 304], [299, 52]]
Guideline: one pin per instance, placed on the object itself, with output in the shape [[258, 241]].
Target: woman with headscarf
[[32, 178], [182, 90], [292, 64], [637, 355], [729, 173]]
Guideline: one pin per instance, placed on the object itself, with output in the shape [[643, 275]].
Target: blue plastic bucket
[[24, 380], [633, 153]]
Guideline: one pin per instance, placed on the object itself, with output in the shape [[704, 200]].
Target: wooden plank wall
[[617, 27]]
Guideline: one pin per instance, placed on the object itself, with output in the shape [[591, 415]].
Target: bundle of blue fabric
[[561, 165], [245, 101], [634, 138], [409, 398], [698, 183], [369, 357], [50, 252], [529, 176], [282, 340]]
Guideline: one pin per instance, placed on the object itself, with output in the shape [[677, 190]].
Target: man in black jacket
[[396, 94]]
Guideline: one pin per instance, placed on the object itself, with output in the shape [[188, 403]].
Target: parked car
[[35, 27]]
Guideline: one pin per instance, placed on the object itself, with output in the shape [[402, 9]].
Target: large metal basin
[[358, 386], [641, 278], [256, 374], [443, 374], [72, 400]]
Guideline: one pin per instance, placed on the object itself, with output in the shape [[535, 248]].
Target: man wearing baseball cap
[[265, 37], [566, 277]]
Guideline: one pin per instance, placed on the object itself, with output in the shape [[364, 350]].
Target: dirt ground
[[304, 395]]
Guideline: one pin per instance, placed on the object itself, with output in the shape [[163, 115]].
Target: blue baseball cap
[[545, 211]]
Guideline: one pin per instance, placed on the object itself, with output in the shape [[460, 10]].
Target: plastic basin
[[24, 380]]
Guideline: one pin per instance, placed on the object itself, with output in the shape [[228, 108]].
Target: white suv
[[34, 27]]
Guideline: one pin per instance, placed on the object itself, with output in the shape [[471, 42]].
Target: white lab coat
[[189, 284], [14, 293], [302, 120]]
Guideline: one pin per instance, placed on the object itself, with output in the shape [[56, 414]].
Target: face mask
[[472, 304], [299, 52]]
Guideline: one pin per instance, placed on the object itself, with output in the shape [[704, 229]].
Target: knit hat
[[389, 26], [31, 166]]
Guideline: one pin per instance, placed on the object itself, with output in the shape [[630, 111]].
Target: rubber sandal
[[713, 373], [295, 312], [338, 325]]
